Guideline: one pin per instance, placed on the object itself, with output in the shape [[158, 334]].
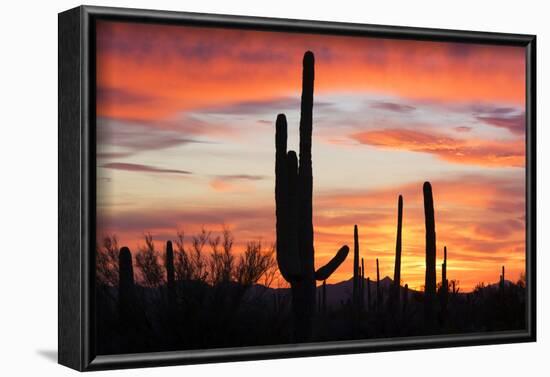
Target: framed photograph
[[237, 188]]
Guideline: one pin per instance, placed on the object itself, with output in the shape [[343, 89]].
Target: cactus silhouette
[[502, 279], [444, 282], [362, 300], [294, 225], [397, 270], [444, 285], [378, 294], [356, 269], [430, 279], [126, 288], [405, 299], [170, 274]]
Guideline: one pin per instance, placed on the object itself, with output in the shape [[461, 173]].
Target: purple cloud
[[142, 168], [236, 177], [515, 123], [392, 106]]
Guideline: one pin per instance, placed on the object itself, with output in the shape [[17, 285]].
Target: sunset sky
[[186, 139]]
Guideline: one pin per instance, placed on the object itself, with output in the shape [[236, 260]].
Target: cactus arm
[[324, 272]]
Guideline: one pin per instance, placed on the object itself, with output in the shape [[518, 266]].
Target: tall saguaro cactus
[[430, 279], [294, 212], [397, 270]]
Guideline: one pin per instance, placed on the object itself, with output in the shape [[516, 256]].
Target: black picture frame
[[77, 188]]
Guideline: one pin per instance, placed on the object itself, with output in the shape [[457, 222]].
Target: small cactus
[[444, 285], [397, 271], [378, 293], [356, 268], [170, 275], [362, 300], [502, 277], [126, 288]]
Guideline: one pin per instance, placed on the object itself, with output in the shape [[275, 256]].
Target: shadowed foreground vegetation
[[203, 295]]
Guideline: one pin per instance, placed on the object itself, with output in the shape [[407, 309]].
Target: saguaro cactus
[[378, 294], [397, 270], [294, 207], [502, 279], [362, 299], [444, 285], [170, 275], [356, 269], [169, 264], [444, 280], [430, 279], [125, 286]]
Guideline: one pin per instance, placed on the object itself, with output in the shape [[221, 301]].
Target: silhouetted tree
[[197, 258], [182, 264], [107, 261], [151, 273], [221, 262], [253, 264]]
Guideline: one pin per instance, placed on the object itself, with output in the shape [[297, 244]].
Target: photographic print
[[268, 187]]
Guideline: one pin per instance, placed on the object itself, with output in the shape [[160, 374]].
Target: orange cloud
[[462, 151], [147, 72]]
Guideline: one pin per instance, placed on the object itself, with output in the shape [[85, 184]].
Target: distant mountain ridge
[[341, 292]]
